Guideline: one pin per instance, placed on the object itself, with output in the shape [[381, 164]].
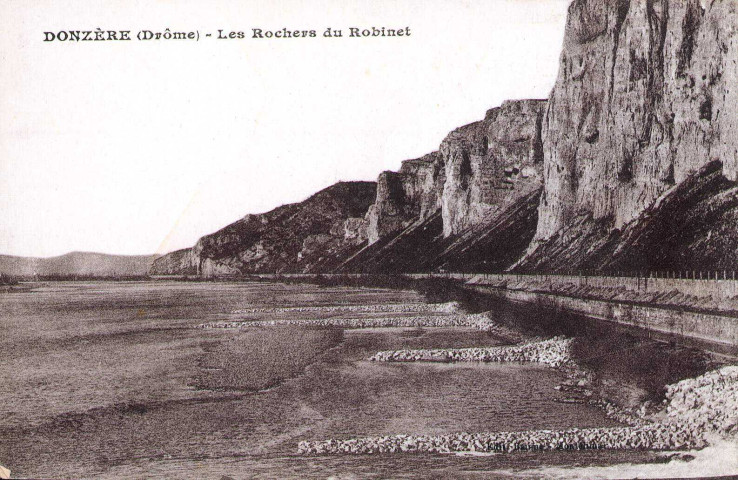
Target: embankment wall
[[714, 329], [718, 330], [717, 289]]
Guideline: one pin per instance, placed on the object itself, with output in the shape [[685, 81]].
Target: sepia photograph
[[396, 239]]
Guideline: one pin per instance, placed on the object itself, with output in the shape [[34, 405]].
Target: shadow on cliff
[[490, 246], [691, 227]]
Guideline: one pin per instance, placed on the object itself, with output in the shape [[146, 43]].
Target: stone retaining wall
[[714, 329], [722, 288]]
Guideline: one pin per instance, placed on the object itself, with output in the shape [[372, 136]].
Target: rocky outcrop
[[479, 169], [491, 164], [179, 262], [405, 197], [314, 235], [646, 95], [492, 245]]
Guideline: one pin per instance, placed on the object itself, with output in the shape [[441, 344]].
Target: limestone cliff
[[179, 262], [315, 234], [492, 245], [469, 205], [631, 163], [647, 94], [405, 197], [690, 228], [478, 170], [491, 164]]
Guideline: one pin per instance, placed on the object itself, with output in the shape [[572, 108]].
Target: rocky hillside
[[471, 205], [491, 245], [691, 227], [646, 96], [630, 164], [313, 235], [86, 264]]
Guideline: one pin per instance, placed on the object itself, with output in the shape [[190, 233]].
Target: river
[[114, 380]]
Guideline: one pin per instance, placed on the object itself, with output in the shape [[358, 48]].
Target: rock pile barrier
[[481, 321], [694, 408], [651, 437], [448, 307], [707, 403], [553, 352]]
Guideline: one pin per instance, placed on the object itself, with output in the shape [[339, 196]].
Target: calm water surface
[[111, 380]]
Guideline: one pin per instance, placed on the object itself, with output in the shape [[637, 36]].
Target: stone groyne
[[651, 437], [553, 352], [694, 410], [482, 321], [448, 307]]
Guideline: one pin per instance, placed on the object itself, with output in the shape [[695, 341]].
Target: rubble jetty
[[553, 352], [694, 410]]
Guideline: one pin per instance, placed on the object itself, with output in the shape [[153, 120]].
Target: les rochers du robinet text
[[100, 35]]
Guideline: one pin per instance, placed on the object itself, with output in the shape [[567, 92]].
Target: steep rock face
[[406, 196], [647, 93], [691, 227], [303, 237], [179, 262], [492, 245], [492, 163], [479, 169]]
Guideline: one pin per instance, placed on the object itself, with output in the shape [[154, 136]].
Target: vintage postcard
[[390, 239]]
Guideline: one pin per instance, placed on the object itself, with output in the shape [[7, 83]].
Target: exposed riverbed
[[115, 379]]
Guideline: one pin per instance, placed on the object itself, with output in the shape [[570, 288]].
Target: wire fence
[[645, 274]]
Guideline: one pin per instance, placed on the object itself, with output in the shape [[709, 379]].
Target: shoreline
[[671, 300], [668, 426], [694, 411]]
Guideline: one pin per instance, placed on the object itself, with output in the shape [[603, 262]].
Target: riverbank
[[694, 411], [699, 312], [712, 296], [678, 429]]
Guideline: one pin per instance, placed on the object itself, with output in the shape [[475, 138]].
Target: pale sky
[[143, 147]]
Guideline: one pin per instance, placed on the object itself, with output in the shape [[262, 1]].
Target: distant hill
[[78, 264]]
